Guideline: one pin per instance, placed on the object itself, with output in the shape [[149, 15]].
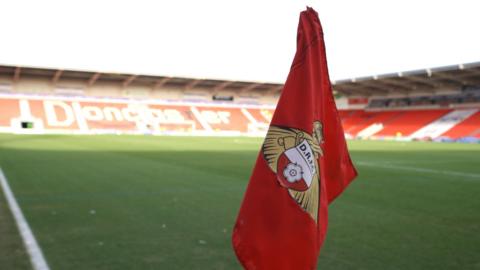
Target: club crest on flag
[[293, 154]]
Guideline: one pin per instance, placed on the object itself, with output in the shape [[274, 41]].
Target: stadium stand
[[442, 124], [23, 113], [469, 127], [417, 105], [406, 122], [364, 119]]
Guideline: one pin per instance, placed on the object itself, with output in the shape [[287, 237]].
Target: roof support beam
[[389, 87], [192, 84], [249, 87], [364, 92], [407, 86], [93, 79], [275, 89], [395, 84], [475, 73], [16, 75], [341, 90], [57, 76], [427, 83], [161, 82], [369, 86], [346, 89], [221, 86], [129, 80], [367, 90], [454, 79]]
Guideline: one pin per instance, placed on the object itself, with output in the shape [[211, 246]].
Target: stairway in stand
[[443, 124]]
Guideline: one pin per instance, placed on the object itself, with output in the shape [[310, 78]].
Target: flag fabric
[[303, 165]]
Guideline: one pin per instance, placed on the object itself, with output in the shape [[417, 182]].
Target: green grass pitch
[[144, 202]]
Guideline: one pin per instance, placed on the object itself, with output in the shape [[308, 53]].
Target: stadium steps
[[470, 127], [370, 130], [442, 125], [410, 121], [369, 118]]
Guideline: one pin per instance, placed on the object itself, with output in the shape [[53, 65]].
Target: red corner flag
[[303, 166]]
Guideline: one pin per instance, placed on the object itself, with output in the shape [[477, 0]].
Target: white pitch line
[[416, 169], [36, 256]]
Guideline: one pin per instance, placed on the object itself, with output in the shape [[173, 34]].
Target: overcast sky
[[239, 40]]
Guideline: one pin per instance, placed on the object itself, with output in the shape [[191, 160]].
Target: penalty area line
[[33, 249]]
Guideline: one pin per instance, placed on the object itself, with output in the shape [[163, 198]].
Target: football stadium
[[124, 198], [111, 170]]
